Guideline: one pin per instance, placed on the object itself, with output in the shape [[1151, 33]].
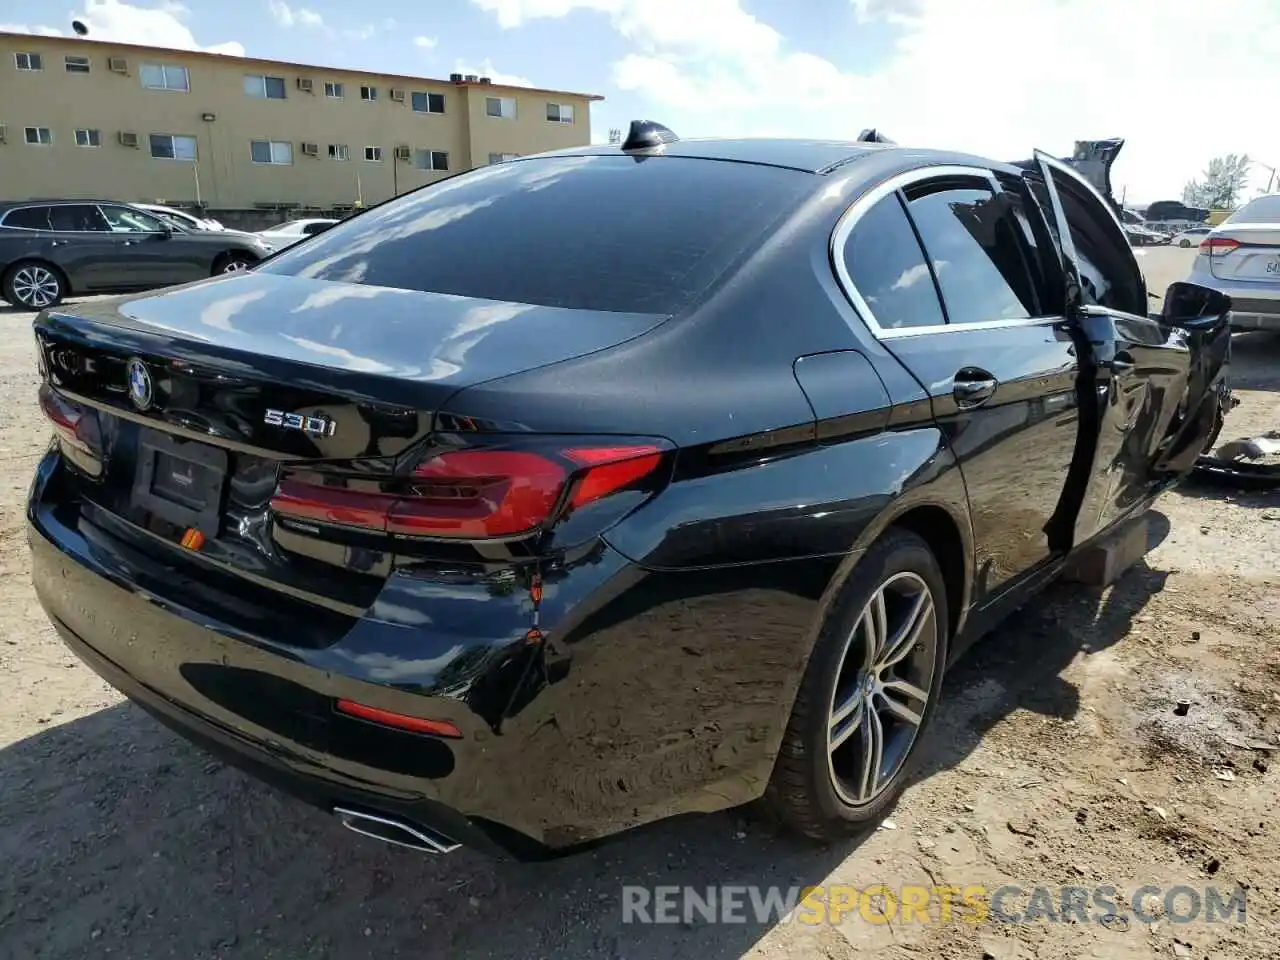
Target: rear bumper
[[1254, 306], [311, 782], [646, 707], [1251, 313]]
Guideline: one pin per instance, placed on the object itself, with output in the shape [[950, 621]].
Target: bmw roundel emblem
[[140, 390]]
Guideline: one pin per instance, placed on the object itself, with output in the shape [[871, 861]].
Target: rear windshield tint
[[1259, 210], [608, 233]]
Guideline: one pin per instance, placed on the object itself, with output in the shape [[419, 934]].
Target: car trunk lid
[[182, 411]]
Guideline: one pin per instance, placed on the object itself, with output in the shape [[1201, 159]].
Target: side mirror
[[1194, 307]]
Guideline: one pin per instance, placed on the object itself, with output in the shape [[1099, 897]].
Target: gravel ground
[[1058, 759]]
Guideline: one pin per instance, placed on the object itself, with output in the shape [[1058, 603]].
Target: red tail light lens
[[609, 469], [1218, 246], [73, 423], [478, 494]]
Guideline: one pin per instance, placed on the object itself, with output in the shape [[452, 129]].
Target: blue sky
[[994, 77]]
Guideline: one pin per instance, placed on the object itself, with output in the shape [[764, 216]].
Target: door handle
[[972, 387]]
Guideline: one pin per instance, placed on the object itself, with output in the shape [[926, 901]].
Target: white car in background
[[1190, 237], [290, 232], [190, 221]]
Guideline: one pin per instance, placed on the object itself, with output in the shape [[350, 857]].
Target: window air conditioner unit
[[128, 139], [117, 64], [306, 85], [397, 95], [311, 149], [402, 153]]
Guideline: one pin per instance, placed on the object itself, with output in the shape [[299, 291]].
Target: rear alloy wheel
[[33, 286], [867, 695], [882, 689]]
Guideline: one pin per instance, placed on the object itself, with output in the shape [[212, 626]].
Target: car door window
[[887, 268], [124, 220], [971, 238], [28, 218], [1109, 274], [78, 218]]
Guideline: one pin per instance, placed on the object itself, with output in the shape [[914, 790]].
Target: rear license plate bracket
[[180, 481]]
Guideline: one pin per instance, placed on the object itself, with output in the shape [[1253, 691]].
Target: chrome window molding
[[73, 203], [849, 219]]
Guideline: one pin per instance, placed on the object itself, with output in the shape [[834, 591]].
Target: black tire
[[34, 285], [232, 263], [1184, 243], [802, 794]]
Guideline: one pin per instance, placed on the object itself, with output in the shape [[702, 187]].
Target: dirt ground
[[1059, 758]]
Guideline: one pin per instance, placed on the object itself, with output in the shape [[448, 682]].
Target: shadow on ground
[[119, 837]]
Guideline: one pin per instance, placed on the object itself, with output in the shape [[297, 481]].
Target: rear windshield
[[1259, 210], [608, 233]]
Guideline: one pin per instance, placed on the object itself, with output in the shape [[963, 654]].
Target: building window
[[503, 107], [28, 61], [500, 157], [369, 93], [428, 102], [88, 138], [159, 76], [436, 160], [39, 136], [560, 113], [167, 146], [263, 88], [76, 64], [339, 151], [334, 91], [271, 151], [373, 154]]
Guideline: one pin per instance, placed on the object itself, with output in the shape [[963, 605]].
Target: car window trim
[[849, 219], [30, 206]]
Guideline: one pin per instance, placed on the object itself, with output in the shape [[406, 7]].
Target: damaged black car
[[595, 487]]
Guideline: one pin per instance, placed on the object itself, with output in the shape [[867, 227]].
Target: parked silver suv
[[1241, 258]]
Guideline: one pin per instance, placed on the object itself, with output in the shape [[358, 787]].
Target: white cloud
[[288, 16], [486, 70], [159, 26], [424, 43], [40, 30], [996, 77]]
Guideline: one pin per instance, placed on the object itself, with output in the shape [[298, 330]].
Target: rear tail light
[[1218, 246], [480, 493], [75, 425]]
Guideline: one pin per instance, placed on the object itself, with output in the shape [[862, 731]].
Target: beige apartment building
[[82, 118]]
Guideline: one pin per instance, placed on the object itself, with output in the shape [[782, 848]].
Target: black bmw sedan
[[50, 249], [591, 488]]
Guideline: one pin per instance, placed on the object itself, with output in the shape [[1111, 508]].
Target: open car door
[[1135, 371]]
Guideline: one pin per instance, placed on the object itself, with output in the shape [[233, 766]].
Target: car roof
[[811, 156], [48, 202]]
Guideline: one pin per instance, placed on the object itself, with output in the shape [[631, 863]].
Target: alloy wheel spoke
[[876, 623], [846, 719], [872, 754], [908, 635], [904, 700]]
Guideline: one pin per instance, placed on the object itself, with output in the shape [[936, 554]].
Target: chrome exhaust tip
[[395, 832]]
